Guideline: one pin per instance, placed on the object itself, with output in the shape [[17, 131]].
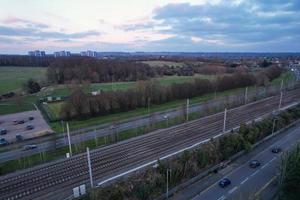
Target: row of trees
[[83, 69], [25, 61], [152, 182], [81, 105]]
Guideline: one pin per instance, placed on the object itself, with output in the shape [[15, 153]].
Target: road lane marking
[[279, 143], [265, 186], [232, 190], [221, 198], [273, 159], [255, 173], [244, 181], [265, 165]]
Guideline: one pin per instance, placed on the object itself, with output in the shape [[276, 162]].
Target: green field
[[160, 63], [13, 78], [65, 90], [20, 104]]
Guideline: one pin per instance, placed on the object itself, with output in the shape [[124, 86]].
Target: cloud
[[40, 33], [29, 23], [16, 27], [244, 22]]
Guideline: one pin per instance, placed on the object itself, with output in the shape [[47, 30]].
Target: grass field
[[65, 90], [12, 78], [20, 104], [160, 63]]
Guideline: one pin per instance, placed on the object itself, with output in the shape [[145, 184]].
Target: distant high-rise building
[[62, 54], [37, 53], [89, 53]]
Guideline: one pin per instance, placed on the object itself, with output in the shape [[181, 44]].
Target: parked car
[[276, 149], [31, 118], [29, 147], [29, 127], [3, 131], [254, 163], [19, 137], [15, 122], [224, 182], [3, 142], [21, 122]]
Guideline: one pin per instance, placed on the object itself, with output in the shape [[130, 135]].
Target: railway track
[[39, 181]]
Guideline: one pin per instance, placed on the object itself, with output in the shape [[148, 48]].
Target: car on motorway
[[29, 147], [254, 164], [29, 127], [3, 142], [276, 149], [3, 131], [224, 182]]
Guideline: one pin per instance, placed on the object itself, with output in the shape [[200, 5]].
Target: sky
[[150, 25]]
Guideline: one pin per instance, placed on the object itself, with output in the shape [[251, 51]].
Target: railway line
[[44, 181]]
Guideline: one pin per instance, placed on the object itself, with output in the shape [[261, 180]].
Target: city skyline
[[171, 26]]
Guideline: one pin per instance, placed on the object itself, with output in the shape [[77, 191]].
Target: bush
[[32, 86]]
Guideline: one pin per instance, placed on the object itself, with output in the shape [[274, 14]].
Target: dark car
[[29, 127], [3, 142], [254, 163], [31, 118], [29, 147], [276, 149], [224, 182], [19, 137], [21, 122], [3, 131]]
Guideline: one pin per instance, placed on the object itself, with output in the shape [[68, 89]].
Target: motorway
[[55, 180], [247, 183], [49, 143]]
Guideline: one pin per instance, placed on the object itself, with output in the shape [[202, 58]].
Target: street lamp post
[[187, 109], [166, 117], [280, 100], [246, 95], [224, 123], [274, 124], [90, 166], [69, 140], [168, 174]]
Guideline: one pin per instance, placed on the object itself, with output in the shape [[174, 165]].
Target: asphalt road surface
[[40, 125], [246, 183]]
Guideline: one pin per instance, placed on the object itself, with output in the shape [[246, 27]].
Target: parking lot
[[28, 124]]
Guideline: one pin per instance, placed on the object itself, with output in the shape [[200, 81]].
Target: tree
[[32, 86], [290, 176]]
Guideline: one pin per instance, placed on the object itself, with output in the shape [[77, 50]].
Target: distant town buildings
[[62, 54], [37, 53], [89, 53]]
